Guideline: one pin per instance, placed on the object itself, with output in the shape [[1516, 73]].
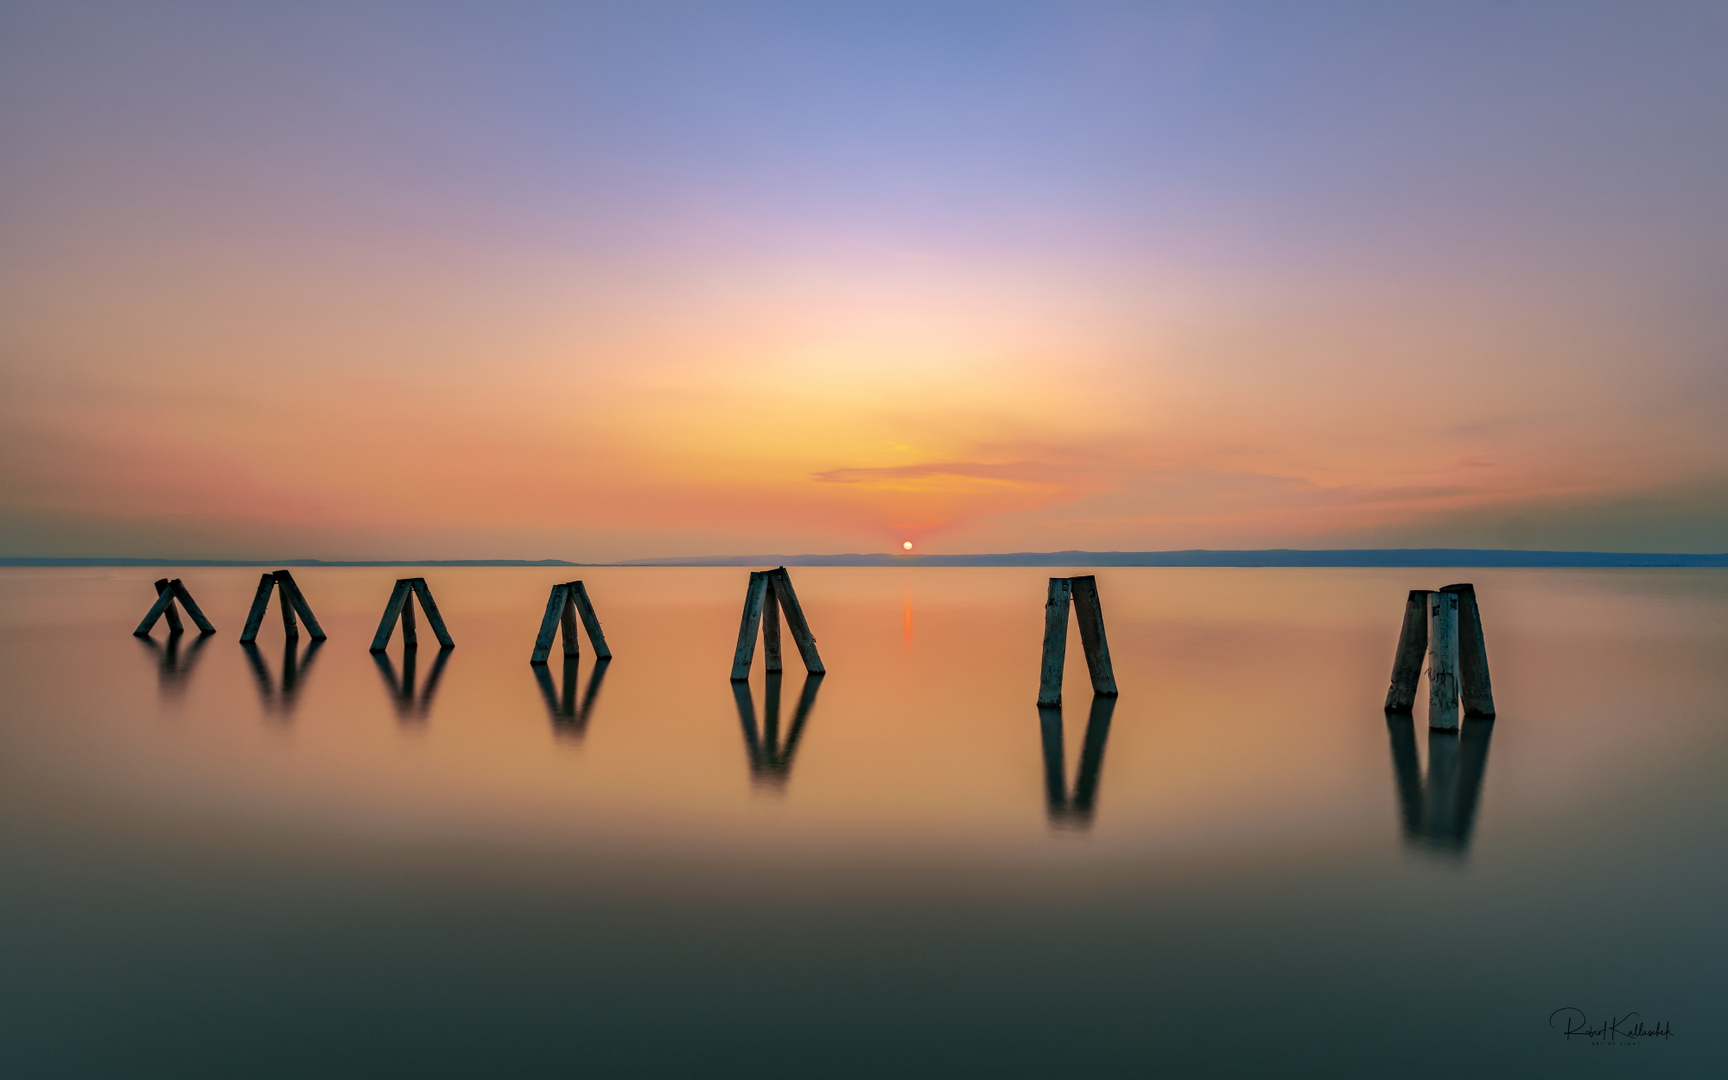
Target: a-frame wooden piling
[[568, 602], [400, 607], [167, 594], [292, 601], [1080, 593], [766, 598]]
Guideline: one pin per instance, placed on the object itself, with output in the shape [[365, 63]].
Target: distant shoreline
[[1272, 557]]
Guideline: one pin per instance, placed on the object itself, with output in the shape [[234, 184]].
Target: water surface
[[305, 860]]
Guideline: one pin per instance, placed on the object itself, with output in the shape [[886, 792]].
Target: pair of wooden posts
[[768, 594], [1446, 625], [167, 593], [1082, 592]]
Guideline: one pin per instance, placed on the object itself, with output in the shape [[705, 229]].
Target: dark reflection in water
[[174, 668], [1076, 810], [411, 707], [770, 757], [570, 720], [296, 665], [1439, 815]]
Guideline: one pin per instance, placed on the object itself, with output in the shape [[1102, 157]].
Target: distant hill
[[283, 562], [1462, 557], [1362, 557]]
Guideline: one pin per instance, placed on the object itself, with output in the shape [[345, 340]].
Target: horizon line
[[1189, 557]]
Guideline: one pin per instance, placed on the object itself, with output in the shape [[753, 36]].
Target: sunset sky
[[622, 280]]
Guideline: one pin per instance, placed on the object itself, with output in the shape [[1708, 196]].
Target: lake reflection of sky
[[307, 860]]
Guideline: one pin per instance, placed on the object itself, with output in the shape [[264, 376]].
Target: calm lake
[[304, 862]]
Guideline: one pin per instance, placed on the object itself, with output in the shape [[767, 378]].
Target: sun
[[907, 545]]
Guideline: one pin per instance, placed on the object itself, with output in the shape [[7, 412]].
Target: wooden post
[[755, 595], [393, 609], [1443, 662], [164, 605], [1055, 641], [1473, 684], [771, 628], [1090, 614], [290, 628], [260, 604], [556, 605], [291, 591], [1412, 645], [590, 620], [169, 612], [185, 597], [796, 623], [567, 626], [410, 632], [430, 607]]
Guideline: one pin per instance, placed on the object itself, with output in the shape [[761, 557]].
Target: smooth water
[[304, 862]]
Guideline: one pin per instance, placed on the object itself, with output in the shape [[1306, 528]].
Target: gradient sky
[[622, 280]]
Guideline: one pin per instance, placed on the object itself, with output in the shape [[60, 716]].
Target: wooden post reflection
[[1074, 810], [770, 757], [296, 666], [411, 705], [570, 719], [1439, 813]]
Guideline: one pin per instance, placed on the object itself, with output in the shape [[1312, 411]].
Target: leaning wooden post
[[429, 606], [796, 624], [393, 609], [1055, 641], [1443, 662], [184, 595], [1090, 614], [260, 604], [771, 628], [164, 606], [590, 620], [291, 594], [1412, 645], [170, 612], [1473, 685], [755, 595], [556, 606]]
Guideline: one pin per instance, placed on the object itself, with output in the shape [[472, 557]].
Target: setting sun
[[907, 545]]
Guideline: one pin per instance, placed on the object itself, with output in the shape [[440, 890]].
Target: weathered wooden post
[[167, 593], [770, 594], [1412, 646], [1443, 661], [1082, 594], [291, 600], [568, 601], [401, 606], [1473, 684], [1056, 604]]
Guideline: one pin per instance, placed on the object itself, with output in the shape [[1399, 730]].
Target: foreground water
[[301, 863]]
